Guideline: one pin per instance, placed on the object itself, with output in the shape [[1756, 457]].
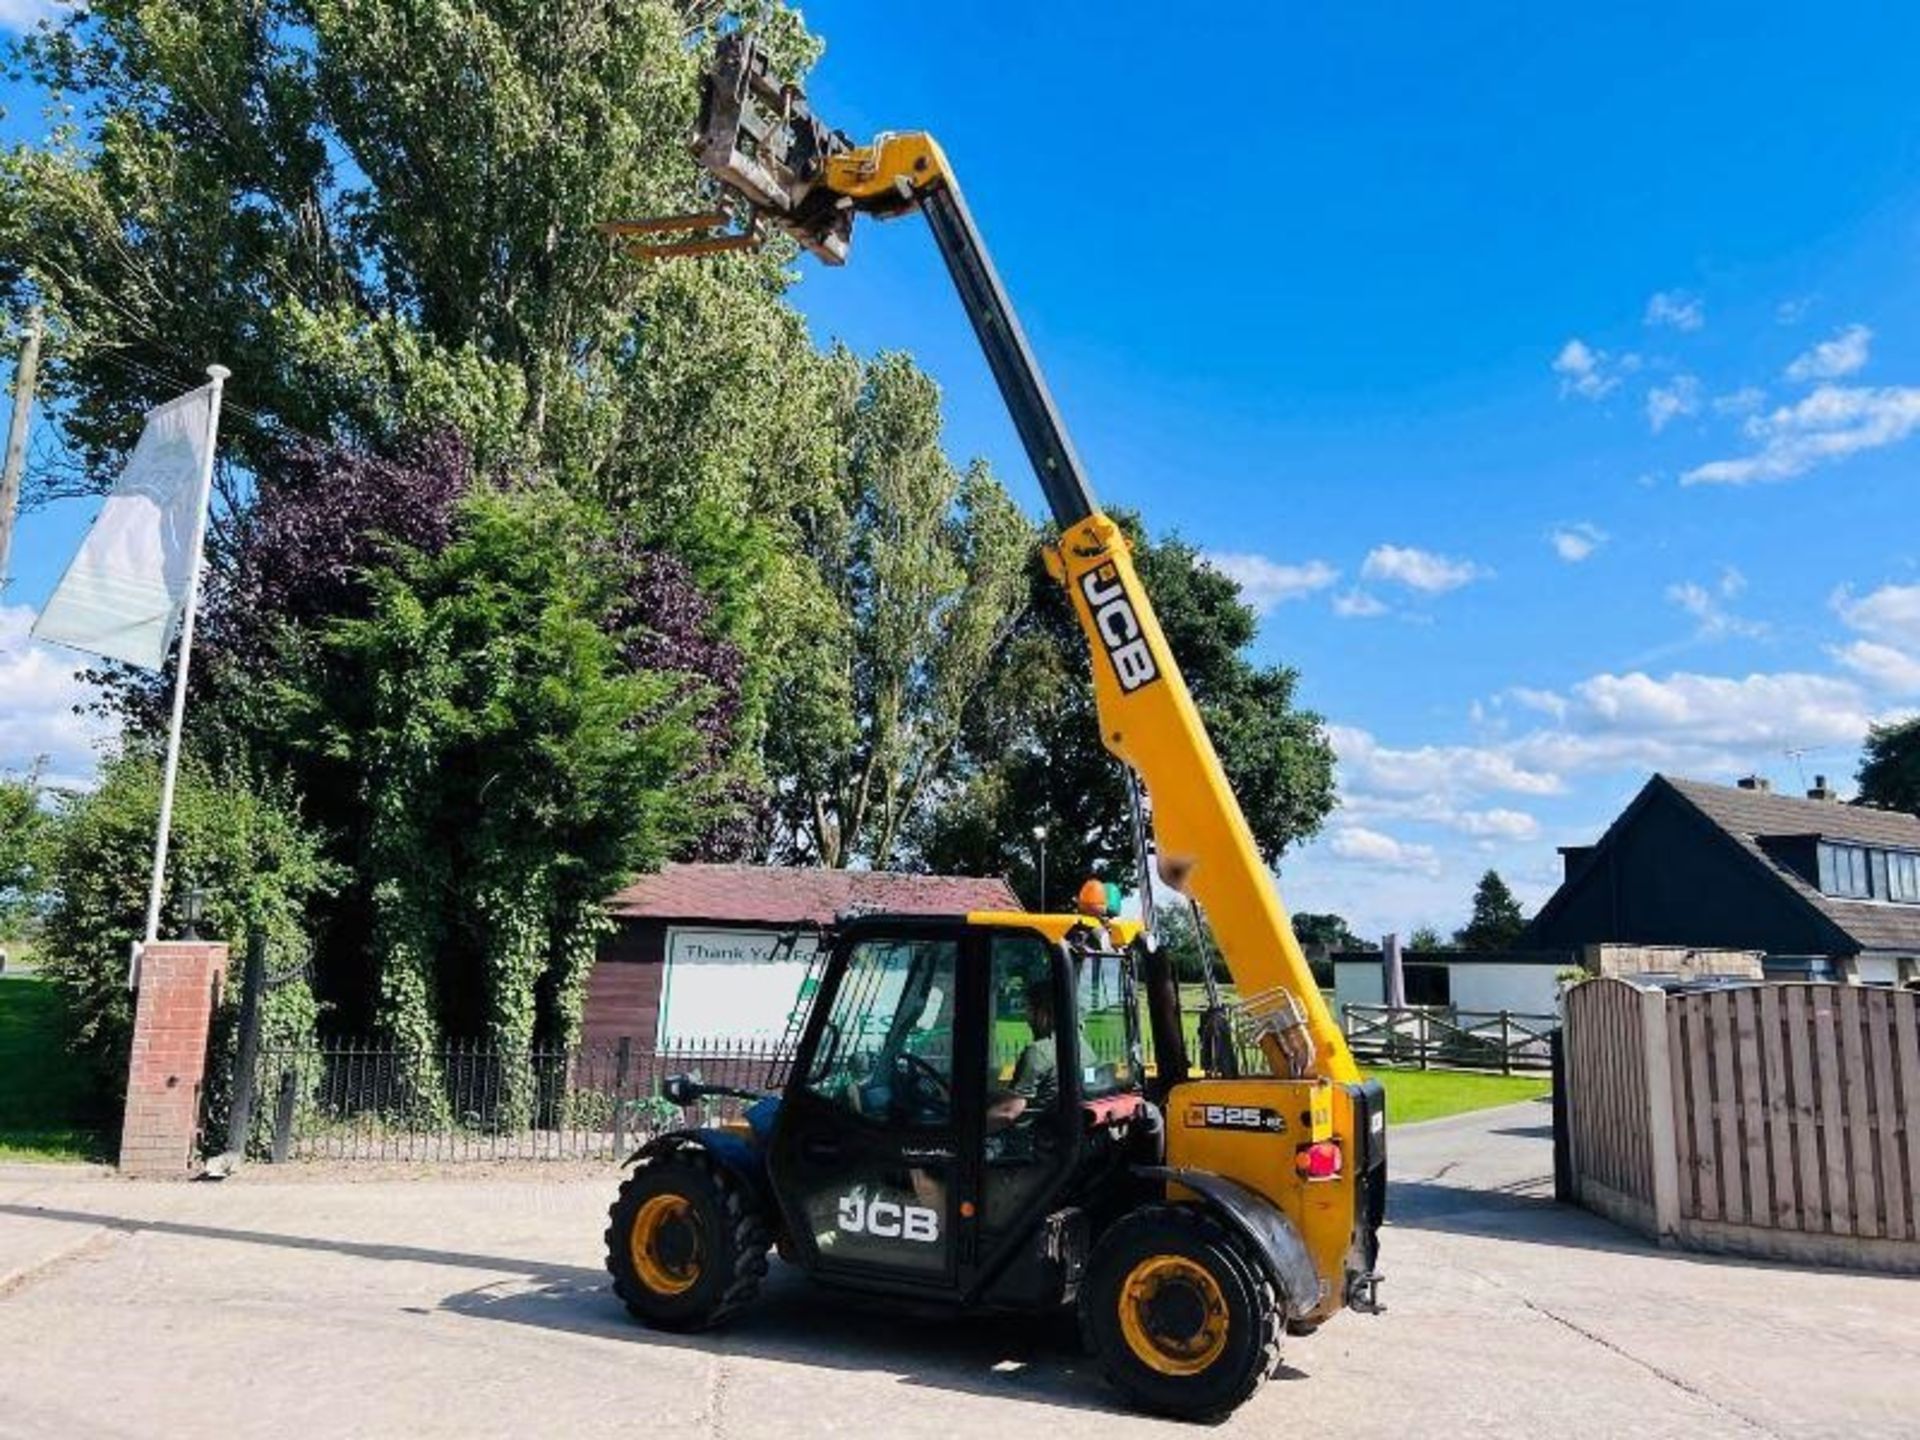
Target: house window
[[1903, 877], [1856, 873], [1843, 871]]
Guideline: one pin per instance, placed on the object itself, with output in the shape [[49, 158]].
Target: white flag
[[122, 595]]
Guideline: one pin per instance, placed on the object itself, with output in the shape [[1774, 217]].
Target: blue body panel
[[743, 1155]]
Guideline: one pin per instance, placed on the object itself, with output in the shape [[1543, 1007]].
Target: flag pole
[[219, 374]]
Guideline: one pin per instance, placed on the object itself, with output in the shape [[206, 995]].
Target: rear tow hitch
[[1363, 1293]]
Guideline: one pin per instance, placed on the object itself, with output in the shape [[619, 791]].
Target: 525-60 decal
[[1235, 1117]]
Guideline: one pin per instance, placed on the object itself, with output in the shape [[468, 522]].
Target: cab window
[[885, 1051], [1107, 1061]]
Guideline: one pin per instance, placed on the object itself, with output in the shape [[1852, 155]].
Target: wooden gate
[[1607, 1100]]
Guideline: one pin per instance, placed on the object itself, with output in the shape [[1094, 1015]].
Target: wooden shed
[[696, 952]]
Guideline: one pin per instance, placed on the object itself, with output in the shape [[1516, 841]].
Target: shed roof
[[772, 895]]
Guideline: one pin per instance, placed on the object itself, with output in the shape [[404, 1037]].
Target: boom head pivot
[[778, 166], [760, 140]]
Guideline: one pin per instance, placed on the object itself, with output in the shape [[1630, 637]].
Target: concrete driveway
[[308, 1305]]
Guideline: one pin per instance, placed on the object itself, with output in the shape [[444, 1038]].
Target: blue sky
[[1551, 375]]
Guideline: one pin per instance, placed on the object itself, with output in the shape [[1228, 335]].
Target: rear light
[[1318, 1161]]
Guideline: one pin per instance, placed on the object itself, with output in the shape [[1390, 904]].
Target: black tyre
[[1182, 1317], [686, 1244]]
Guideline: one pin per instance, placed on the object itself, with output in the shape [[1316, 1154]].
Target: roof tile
[[1746, 815], [771, 895]]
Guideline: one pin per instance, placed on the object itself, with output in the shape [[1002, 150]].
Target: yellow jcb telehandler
[[967, 1119]]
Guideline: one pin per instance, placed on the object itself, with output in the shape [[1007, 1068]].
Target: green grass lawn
[[1414, 1095], [45, 1102]]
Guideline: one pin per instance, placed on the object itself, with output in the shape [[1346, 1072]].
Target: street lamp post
[[1040, 838]]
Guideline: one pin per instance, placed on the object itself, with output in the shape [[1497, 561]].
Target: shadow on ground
[[1003, 1357]]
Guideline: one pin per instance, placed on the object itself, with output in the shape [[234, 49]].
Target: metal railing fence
[[352, 1099]]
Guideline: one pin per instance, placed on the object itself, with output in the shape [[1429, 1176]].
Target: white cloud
[[22, 15], [1666, 403], [1420, 570], [38, 693], [1574, 543], [1683, 722], [1793, 311], [1716, 621], [1494, 823], [1881, 666], [1441, 774], [1744, 401], [1693, 723], [1497, 824], [1376, 849], [1676, 308], [1358, 604], [1265, 583], [1830, 424], [1586, 372], [1831, 359], [1545, 701], [1891, 613], [1889, 659]]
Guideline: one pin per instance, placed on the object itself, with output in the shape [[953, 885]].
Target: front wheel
[[1183, 1319], [686, 1245]]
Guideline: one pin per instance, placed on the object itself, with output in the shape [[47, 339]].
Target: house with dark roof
[[1821, 887], [718, 953]]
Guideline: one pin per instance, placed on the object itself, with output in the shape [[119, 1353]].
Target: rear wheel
[[686, 1245], [1184, 1320]]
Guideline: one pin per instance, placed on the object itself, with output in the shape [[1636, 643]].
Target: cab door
[[866, 1157]]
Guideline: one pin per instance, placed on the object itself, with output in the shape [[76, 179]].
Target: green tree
[[1496, 921], [376, 212], [1329, 930], [238, 837], [1032, 751], [1427, 937], [1890, 767], [514, 767], [1189, 951], [382, 216], [23, 836], [925, 569]]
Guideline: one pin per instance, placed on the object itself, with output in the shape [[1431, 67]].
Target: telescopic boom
[[780, 168]]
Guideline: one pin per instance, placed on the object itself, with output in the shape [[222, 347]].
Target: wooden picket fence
[[1779, 1119]]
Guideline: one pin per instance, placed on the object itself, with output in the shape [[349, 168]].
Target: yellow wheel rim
[[1172, 1315], [665, 1245]]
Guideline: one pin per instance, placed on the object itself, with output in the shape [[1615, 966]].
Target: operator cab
[[960, 1081]]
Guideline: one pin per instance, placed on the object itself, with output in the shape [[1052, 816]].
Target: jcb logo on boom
[[888, 1221], [1118, 627]]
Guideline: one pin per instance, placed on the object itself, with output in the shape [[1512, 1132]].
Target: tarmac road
[[320, 1305]]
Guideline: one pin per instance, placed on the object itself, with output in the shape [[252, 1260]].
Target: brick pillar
[[179, 986]]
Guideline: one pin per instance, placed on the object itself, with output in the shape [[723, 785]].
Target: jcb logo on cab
[[888, 1221]]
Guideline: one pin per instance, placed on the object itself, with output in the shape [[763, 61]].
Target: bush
[[240, 841], [23, 829]]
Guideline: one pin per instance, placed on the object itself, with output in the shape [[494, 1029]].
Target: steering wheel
[[927, 1086]]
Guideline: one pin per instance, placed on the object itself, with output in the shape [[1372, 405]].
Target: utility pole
[[23, 381]]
